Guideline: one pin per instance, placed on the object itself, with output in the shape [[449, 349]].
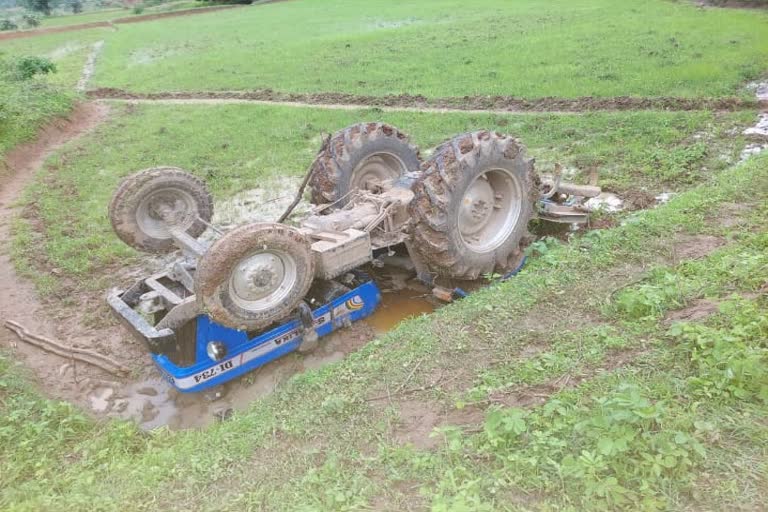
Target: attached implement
[[265, 289]]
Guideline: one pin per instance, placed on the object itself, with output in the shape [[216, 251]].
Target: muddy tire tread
[[433, 191], [215, 267], [328, 168], [127, 195]]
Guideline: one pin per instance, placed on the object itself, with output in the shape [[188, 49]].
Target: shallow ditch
[[152, 402]]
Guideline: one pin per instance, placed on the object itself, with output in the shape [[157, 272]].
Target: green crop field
[[625, 368], [526, 48]]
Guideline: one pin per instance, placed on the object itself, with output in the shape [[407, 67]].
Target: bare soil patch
[[531, 396], [730, 215], [465, 103], [419, 418], [688, 247], [699, 310]]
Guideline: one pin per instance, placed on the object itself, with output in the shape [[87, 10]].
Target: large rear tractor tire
[[254, 275], [146, 204], [361, 156], [472, 205]]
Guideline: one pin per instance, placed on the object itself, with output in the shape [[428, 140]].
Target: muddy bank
[[61, 377], [496, 103], [97, 24]]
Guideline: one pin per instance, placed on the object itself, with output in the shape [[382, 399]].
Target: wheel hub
[[476, 207], [163, 209], [258, 276], [489, 210], [261, 281], [377, 168]]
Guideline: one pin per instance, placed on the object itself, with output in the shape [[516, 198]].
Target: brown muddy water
[[153, 403]]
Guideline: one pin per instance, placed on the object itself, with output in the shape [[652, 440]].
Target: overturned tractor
[[267, 288]]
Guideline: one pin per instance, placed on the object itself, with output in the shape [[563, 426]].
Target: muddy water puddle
[[396, 307], [153, 403]]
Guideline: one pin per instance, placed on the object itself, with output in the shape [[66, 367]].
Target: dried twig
[[408, 391], [410, 375], [73, 353]]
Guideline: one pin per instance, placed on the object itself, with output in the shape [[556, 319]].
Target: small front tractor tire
[[146, 204], [254, 275], [472, 205], [361, 156]]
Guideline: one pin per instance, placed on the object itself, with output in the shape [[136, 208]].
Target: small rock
[[606, 202], [760, 129], [752, 150], [148, 412], [120, 406], [664, 197], [148, 391]]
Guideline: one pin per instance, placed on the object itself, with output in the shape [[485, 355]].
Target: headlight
[[216, 350]]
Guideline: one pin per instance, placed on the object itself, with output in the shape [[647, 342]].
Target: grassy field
[[626, 369], [652, 416], [527, 48]]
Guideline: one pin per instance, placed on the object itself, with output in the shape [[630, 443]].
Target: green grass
[[679, 426], [527, 48], [67, 50], [650, 416], [237, 147], [26, 104]]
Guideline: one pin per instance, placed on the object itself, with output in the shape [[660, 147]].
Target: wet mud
[[472, 103], [62, 377], [152, 403]]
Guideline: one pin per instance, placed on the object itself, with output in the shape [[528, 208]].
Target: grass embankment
[[26, 102], [237, 147], [561, 389], [527, 48]]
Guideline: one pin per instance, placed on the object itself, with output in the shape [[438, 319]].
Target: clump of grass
[[27, 99]]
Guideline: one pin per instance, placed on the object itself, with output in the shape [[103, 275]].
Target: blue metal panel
[[244, 354]]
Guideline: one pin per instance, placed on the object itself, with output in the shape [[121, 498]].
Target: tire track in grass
[[89, 67]]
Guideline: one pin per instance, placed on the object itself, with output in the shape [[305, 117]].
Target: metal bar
[[579, 190], [168, 296], [191, 246]]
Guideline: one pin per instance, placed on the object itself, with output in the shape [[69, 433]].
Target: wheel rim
[[262, 280], [375, 169], [490, 210], [163, 208]]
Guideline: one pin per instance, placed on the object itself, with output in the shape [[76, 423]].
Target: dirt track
[[421, 103], [96, 24], [19, 302]]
